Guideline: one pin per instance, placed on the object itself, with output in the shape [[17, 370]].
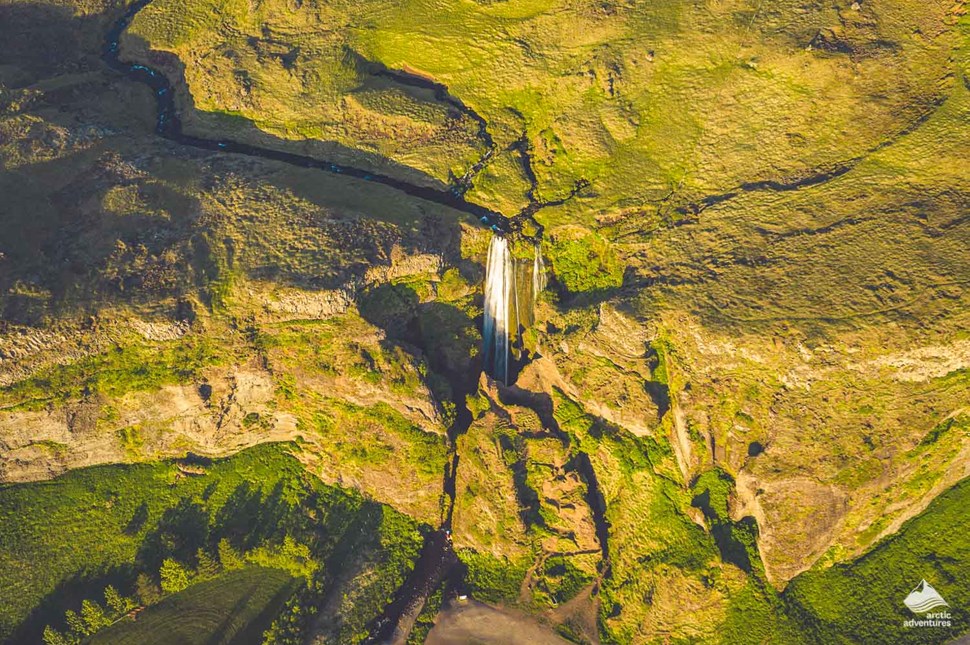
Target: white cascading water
[[499, 285], [538, 274], [502, 317]]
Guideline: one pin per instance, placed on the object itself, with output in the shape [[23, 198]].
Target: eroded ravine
[[437, 560], [169, 125]]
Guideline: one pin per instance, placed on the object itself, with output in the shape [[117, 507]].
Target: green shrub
[[493, 579], [583, 261], [173, 575]]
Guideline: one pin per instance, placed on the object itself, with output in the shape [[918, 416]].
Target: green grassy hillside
[[669, 102], [236, 607], [63, 541], [862, 601]]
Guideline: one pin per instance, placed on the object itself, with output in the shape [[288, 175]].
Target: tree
[[93, 615], [174, 576], [228, 556], [146, 589], [77, 625], [119, 604], [54, 637], [208, 566]]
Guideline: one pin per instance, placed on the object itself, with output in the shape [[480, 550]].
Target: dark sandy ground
[[471, 622]]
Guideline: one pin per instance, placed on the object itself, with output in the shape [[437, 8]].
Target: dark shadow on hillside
[[247, 518], [68, 595], [528, 498], [348, 232], [138, 520], [232, 133], [735, 540], [444, 334], [179, 534], [659, 392], [59, 251], [250, 517], [46, 39], [54, 247], [349, 559]]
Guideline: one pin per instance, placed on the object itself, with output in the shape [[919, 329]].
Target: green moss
[[55, 448], [126, 368], [960, 422], [736, 540], [561, 580], [389, 306], [372, 435], [132, 442], [478, 404], [492, 579], [756, 614], [583, 261], [716, 487], [660, 351]]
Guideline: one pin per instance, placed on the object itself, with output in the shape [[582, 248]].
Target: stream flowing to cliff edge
[[168, 124], [505, 318]]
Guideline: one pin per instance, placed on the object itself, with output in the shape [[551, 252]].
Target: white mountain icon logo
[[924, 598]]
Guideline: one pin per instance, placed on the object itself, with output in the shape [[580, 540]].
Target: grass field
[[862, 601], [236, 607], [646, 102], [64, 540]]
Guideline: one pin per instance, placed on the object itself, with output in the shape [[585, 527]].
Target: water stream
[[169, 125], [538, 272], [505, 315], [499, 287]]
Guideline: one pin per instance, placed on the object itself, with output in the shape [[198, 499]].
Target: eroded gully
[[437, 561]]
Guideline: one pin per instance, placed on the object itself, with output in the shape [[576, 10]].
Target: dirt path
[[469, 621]]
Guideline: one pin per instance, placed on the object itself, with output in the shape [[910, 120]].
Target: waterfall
[[503, 315], [538, 274], [499, 285]]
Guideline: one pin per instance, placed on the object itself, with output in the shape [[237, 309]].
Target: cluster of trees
[[93, 617], [173, 576]]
